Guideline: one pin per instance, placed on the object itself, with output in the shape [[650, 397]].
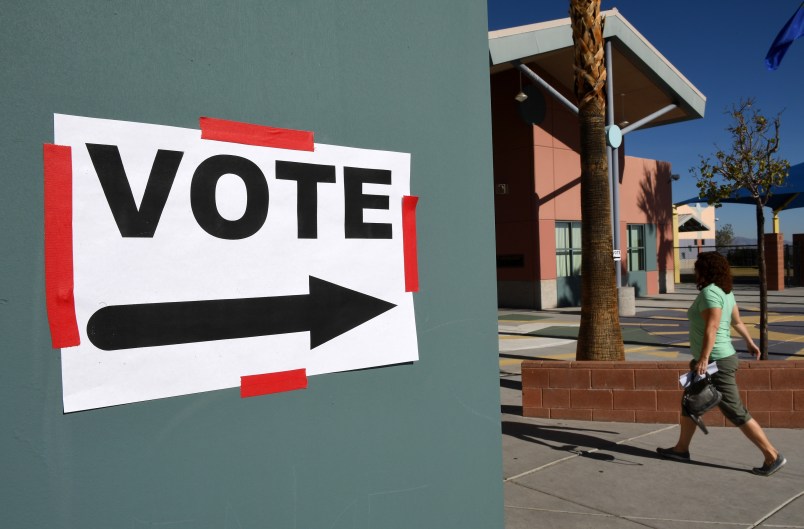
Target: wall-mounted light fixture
[[521, 96]]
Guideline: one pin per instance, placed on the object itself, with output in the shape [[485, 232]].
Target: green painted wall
[[408, 446], [639, 279], [651, 248], [568, 291]]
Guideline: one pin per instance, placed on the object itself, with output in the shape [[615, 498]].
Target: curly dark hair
[[713, 268]]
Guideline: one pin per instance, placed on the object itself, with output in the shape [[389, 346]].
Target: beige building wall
[[691, 243]]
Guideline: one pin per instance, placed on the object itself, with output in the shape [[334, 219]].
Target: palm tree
[[599, 337]]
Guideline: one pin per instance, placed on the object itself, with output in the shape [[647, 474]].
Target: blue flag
[[790, 32]]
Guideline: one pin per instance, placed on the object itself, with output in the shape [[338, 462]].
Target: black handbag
[[699, 397]]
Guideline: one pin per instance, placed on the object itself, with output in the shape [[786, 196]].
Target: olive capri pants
[[724, 380]]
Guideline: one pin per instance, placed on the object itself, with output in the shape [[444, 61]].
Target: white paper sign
[[684, 379], [197, 262]]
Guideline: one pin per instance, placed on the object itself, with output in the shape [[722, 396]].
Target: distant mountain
[[747, 241], [744, 241]]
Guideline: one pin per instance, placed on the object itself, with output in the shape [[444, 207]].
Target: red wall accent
[[649, 392], [798, 244], [774, 260], [514, 212]]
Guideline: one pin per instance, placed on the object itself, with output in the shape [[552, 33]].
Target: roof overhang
[[644, 80], [687, 222], [789, 195]]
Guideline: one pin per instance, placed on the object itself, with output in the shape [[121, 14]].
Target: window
[[568, 249], [636, 247]]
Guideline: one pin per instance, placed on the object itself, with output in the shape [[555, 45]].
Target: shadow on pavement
[[511, 409], [578, 441], [511, 384]]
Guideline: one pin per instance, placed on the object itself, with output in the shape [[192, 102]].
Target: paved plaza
[[581, 474]]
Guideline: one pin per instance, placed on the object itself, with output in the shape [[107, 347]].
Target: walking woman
[[711, 314]]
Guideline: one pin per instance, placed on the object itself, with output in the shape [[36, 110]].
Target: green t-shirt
[[711, 297]]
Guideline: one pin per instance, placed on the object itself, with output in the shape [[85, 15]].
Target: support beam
[[609, 149], [676, 242], [544, 84], [614, 168], [779, 210], [648, 119]]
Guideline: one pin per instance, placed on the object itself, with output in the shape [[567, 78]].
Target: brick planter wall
[[649, 392]]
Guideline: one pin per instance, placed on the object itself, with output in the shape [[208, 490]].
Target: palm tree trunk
[[599, 336], [763, 284]]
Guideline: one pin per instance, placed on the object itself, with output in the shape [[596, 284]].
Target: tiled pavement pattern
[[658, 331]]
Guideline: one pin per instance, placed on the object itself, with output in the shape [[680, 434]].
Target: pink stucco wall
[[646, 198]]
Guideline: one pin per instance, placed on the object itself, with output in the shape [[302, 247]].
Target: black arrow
[[328, 311]]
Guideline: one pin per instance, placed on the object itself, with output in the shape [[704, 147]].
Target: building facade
[[537, 177], [537, 171]]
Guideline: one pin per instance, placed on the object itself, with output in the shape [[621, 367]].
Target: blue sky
[[720, 47]]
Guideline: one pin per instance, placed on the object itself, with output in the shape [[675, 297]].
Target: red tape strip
[[260, 135], [255, 385], [58, 164], [409, 243]]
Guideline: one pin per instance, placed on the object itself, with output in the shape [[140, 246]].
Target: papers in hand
[[684, 379]]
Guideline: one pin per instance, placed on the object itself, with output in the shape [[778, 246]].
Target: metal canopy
[[645, 80], [788, 196]]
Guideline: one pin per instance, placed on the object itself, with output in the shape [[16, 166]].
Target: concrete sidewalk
[[579, 474]]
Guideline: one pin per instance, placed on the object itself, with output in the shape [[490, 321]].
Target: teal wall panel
[[568, 291], [651, 248], [407, 446], [638, 280]]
